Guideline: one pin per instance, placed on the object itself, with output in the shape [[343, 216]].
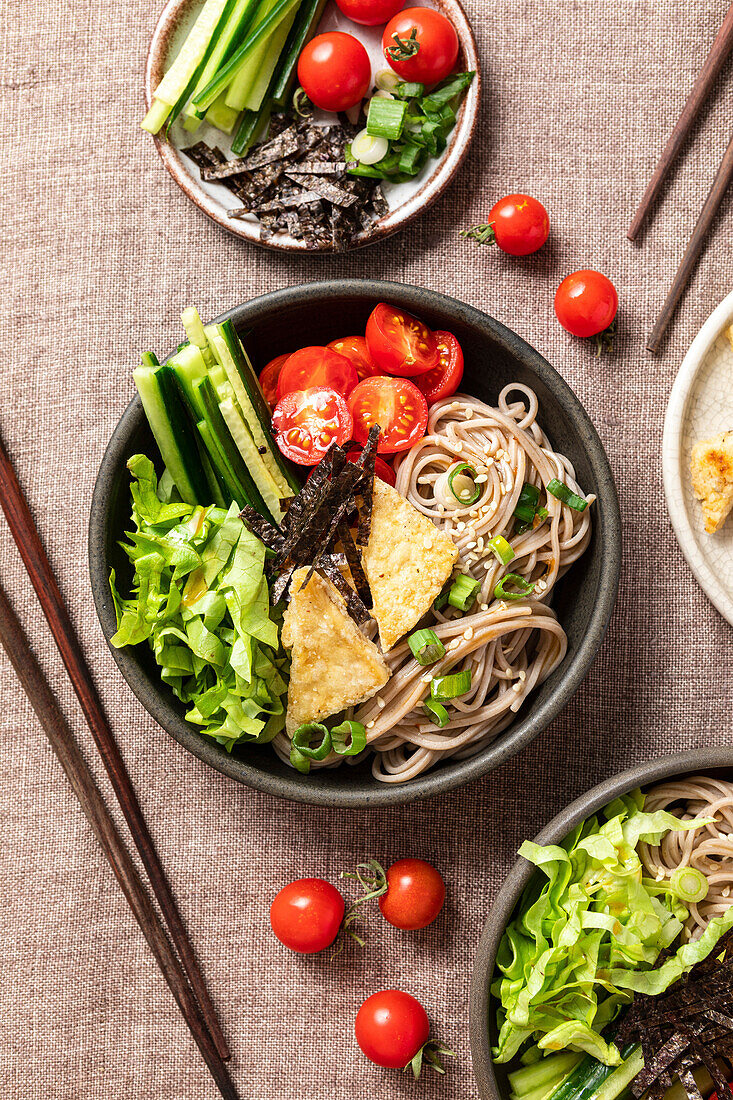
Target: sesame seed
[[488, 565], [470, 545], [460, 526], [426, 679], [517, 687], [481, 479], [370, 724], [484, 606], [454, 644], [468, 633], [457, 447], [522, 677], [381, 704], [489, 462], [468, 414]]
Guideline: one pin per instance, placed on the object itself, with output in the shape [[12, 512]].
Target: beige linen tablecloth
[[100, 253]]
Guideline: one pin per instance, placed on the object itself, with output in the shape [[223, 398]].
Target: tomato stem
[[431, 1053], [404, 48], [481, 234], [604, 340]]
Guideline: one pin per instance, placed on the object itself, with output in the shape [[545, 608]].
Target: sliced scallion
[[527, 503], [408, 89], [445, 92], [426, 647], [462, 483], [387, 80], [442, 599], [463, 592], [356, 734], [369, 148], [436, 711], [560, 490], [451, 686], [689, 884], [522, 587], [302, 751], [412, 159], [501, 548], [386, 118]]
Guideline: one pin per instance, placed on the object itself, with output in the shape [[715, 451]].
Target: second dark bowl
[[314, 314], [491, 1079]]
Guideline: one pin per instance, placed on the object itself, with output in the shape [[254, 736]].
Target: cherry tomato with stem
[[390, 1027], [445, 379], [369, 13], [415, 894], [306, 915], [586, 303], [421, 45], [397, 405], [307, 422], [269, 376], [355, 349], [400, 343], [316, 366], [335, 71], [518, 224]]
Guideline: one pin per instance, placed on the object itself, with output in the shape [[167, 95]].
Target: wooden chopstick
[[699, 92], [720, 185], [34, 557], [17, 647]]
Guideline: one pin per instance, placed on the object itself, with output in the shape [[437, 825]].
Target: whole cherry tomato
[[370, 13], [307, 422], [396, 404], [306, 915], [355, 348], [269, 376], [391, 1026], [316, 366], [445, 379], [334, 71], [415, 894], [421, 45], [518, 224], [399, 343], [586, 303]]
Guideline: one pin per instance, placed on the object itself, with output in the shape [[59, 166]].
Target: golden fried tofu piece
[[407, 561], [332, 664], [711, 466]]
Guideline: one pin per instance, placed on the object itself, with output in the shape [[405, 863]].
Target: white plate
[[700, 406], [406, 201]]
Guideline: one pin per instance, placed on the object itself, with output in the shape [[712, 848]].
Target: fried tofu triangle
[[407, 561], [332, 666], [711, 466]]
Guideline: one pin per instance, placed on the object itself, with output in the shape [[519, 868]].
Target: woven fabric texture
[[100, 253]]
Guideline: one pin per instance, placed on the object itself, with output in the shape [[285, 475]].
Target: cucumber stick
[[587, 1077], [548, 1071], [236, 26], [618, 1081], [271, 495], [304, 27], [245, 386], [222, 116], [169, 424], [174, 83], [222, 471], [220, 431], [248, 89]]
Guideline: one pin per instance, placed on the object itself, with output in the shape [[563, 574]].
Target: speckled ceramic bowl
[[314, 314], [491, 1079], [406, 201]]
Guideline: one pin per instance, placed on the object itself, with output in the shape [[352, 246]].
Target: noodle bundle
[[708, 849], [510, 646]]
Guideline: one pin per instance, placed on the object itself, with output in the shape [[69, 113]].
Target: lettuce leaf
[[588, 932], [200, 600]]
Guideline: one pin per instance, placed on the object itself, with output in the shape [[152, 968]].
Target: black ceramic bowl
[[491, 1080], [314, 314]]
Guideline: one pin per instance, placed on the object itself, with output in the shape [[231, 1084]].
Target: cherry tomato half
[[307, 422], [390, 1027], [586, 303], [269, 376], [397, 405], [400, 344], [521, 224], [334, 70], [355, 349], [306, 915], [415, 894], [370, 13], [381, 468], [420, 44], [316, 366], [446, 378]]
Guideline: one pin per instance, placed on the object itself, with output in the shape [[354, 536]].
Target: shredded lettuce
[[587, 935], [200, 600]]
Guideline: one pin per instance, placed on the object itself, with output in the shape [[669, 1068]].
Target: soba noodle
[[708, 849], [510, 646]]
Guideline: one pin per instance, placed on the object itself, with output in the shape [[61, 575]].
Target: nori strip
[[325, 188], [367, 460], [321, 167], [354, 606], [353, 560]]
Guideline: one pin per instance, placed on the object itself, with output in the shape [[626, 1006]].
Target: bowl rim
[[642, 774], [443, 174], [305, 789]]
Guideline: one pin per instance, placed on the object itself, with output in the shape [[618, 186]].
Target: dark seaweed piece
[[281, 584], [321, 167], [367, 461], [353, 560], [325, 187], [279, 148], [354, 606], [343, 488], [271, 535]]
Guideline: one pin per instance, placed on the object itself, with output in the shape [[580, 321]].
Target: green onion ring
[[524, 586], [560, 490], [353, 730], [457, 471]]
